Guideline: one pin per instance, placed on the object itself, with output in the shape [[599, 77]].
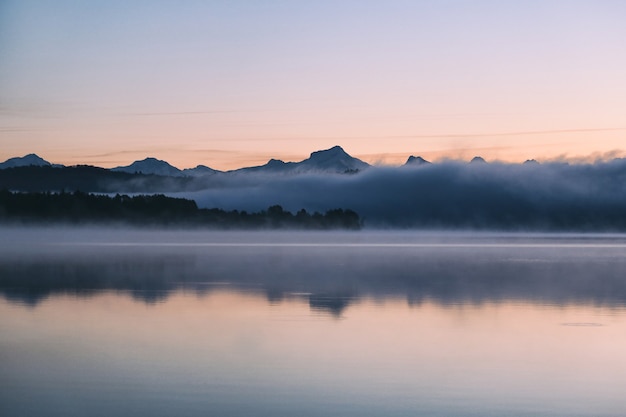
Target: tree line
[[158, 210]]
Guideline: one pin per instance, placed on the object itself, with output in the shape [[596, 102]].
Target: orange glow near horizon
[[239, 84], [575, 147]]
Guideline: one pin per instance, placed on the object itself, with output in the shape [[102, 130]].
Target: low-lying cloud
[[443, 195]]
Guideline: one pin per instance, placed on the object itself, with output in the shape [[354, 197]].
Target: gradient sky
[[233, 83]]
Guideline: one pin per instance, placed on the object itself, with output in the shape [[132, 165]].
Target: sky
[[234, 83]]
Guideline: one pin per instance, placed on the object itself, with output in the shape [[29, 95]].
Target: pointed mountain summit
[[334, 160], [28, 160], [416, 161], [477, 160], [151, 166]]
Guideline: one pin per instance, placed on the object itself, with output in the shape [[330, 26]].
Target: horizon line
[[591, 158]]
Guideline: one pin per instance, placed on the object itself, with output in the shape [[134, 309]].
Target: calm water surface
[[110, 322]]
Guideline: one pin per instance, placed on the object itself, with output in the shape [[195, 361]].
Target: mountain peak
[[199, 171], [275, 163], [334, 159], [478, 160], [335, 151], [416, 160], [26, 160], [150, 165]]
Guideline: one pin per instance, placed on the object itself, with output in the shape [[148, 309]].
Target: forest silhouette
[[158, 210]]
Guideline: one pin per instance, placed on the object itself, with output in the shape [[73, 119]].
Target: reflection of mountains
[[329, 279]]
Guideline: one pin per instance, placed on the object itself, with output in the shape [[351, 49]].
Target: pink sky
[[236, 83]]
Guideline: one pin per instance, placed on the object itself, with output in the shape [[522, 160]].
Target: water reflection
[[232, 354], [364, 326], [329, 278]]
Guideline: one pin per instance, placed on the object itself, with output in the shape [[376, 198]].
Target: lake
[[111, 322]]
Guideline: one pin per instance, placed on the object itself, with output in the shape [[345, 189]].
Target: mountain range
[[334, 160], [447, 194]]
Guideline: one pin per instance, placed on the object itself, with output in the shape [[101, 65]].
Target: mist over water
[[445, 267], [110, 321]]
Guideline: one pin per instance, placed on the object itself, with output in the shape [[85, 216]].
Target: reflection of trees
[[32, 282], [330, 279], [327, 303]]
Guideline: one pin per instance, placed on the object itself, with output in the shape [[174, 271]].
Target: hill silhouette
[[88, 178]]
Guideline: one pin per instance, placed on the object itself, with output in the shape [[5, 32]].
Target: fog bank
[[445, 195]]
